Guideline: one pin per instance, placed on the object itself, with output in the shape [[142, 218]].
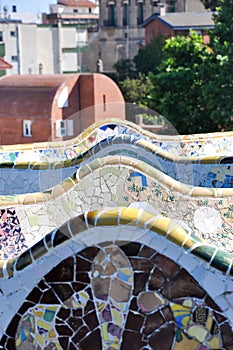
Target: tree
[[136, 90], [177, 88], [149, 58], [124, 69], [210, 4]]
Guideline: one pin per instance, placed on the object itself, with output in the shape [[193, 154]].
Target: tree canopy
[[186, 81]]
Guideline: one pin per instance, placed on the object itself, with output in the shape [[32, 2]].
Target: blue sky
[[28, 5]]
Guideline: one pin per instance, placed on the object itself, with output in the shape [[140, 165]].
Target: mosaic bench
[[206, 171], [117, 279], [119, 255]]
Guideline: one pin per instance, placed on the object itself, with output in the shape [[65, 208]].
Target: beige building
[[121, 32]]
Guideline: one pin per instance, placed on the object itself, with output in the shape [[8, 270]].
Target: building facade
[[36, 108], [42, 49], [121, 32]]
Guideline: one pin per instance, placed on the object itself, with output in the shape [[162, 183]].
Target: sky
[[28, 5]]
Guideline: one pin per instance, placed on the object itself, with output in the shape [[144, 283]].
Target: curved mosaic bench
[[34, 176], [117, 279], [214, 144], [115, 181]]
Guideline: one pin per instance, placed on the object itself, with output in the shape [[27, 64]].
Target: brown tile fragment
[[63, 291], [3, 340], [82, 277], [134, 322], [163, 339], [89, 306], [91, 320], [157, 279], [64, 330], [131, 249], [134, 304], [77, 286], [89, 253], [75, 323], [91, 342], [153, 322], [63, 313], [63, 272], [167, 314], [26, 305], [11, 329], [227, 334], [82, 264], [220, 318], [10, 344], [64, 341], [77, 312], [35, 295], [80, 334], [49, 297], [209, 301], [132, 341], [140, 280], [182, 285], [168, 267], [146, 252], [141, 264]]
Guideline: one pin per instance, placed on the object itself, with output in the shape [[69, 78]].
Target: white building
[[42, 49]]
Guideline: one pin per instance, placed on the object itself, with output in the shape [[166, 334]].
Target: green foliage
[[177, 87], [136, 90], [194, 88], [124, 69], [149, 58], [210, 4]]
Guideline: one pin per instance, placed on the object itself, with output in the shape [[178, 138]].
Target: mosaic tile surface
[[118, 297], [150, 268], [111, 182], [50, 163]]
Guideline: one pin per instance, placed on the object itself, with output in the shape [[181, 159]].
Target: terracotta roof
[[76, 3], [35, 81], [183, 20], [30, 94], [4, 65]]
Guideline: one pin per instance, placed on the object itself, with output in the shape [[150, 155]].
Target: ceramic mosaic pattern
[[118, 297], [12, 239], [191, 159], [39, 176], [170, 289], [212, 144], [111, 182]]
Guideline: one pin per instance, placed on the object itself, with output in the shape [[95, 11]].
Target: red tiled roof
[[76, 3], [32, 94], [4, 65]]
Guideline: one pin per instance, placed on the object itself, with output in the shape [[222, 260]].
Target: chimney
[[162, 9]]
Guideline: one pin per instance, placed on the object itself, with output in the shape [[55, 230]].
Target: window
[[27, 128], [63, 100], [140, 13], [126, 14], [104, 102], [64, 128], [13, 34], [111, 15], [14, 58], [1, 36]]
